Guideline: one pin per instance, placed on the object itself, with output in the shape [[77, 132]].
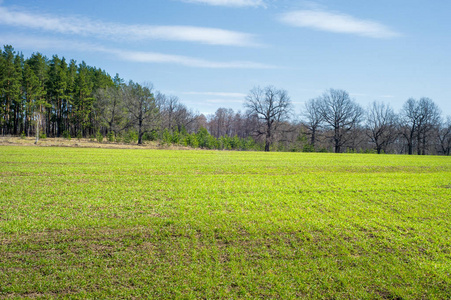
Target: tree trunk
[[336, 138], [268, 137], [312, 141], [38, 117], [28, 124], [15, 121], [140, 134], [419, 143], [337, 145], [267, 146], [423, 152]]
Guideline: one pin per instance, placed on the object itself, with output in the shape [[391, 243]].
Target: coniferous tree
[[33, 92], [70, 90], [83, 100], [63, 98], [57, 88], [38, 64], [10, 89], [18, 104]]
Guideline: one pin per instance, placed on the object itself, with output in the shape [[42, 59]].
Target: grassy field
[[130, 223]]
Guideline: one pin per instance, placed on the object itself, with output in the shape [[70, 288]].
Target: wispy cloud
[[224, 101], [370, 95], [40, 44], [359, 94], [215, 99], [337, 22], [153, 57], [218, 94], [230, 3], [81, 26]]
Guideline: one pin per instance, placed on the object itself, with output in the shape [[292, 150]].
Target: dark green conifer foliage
[[10, 83]]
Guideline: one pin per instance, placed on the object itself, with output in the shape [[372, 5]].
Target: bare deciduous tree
[[239, 124], [408, 123], [184, 117], [110, 108], [312, 118], [174, 115], [272, 107], [381, 125], [417, 120], [444, 137], [200, 121], [141, 106], [340, 114], [429, 119], [221, 123]]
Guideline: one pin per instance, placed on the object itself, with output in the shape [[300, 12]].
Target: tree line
[[54, 97], [417, 128]]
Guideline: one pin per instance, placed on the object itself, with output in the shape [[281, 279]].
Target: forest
[[53, 97]]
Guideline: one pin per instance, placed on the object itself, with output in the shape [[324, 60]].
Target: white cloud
[[231, 3], [87, 27], [358, 94], [337, 22], [153, 57], [370, 95], [219, 94], [39, 44], [224, 101]]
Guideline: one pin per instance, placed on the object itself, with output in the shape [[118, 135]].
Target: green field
[[111, 223]]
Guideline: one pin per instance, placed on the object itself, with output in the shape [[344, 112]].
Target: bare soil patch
[[82, 143]]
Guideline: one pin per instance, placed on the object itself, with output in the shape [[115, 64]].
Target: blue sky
[[210, 53]]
